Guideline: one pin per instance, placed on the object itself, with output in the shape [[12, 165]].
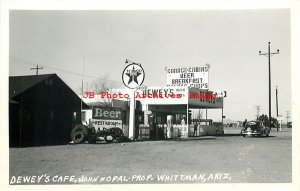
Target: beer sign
[[106, 117], [107, 113]]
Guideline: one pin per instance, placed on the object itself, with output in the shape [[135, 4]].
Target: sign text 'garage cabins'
[[106, 117], [196, 77]]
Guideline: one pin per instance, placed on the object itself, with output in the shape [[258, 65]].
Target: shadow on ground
[[259, 137]]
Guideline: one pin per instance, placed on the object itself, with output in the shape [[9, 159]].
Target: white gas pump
[[169, 126]]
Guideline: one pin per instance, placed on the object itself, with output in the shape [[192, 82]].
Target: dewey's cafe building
[[155, 109], [171, 105]]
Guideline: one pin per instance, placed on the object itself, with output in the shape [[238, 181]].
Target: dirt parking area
[[211, 159]]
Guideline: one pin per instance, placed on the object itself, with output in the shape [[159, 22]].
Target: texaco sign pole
[[132, 115], [133, 77]]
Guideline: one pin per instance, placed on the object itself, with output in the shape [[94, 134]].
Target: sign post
[[132, 116], [133, 76]]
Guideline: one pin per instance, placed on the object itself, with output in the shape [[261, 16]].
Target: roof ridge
[[34, 75], [19, 84]]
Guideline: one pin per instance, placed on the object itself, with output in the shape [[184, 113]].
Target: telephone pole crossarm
[[37, 69]]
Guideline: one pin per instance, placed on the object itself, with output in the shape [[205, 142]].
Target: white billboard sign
[[196, 77]]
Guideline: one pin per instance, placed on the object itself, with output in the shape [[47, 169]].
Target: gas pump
[[152, 126], [169, 126]]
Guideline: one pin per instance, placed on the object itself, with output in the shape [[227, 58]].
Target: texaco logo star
[[133, 75]]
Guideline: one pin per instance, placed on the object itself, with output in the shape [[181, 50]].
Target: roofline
[[36, 75]]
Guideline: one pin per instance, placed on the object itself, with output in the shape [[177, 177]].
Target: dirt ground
[[211, 159]]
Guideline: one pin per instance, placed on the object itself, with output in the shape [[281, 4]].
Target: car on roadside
[[208, 127], [255, 127]]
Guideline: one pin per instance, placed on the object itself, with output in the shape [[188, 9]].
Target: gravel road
[[211, 159]]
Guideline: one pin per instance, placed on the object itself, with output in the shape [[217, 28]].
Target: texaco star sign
[[133, 75]]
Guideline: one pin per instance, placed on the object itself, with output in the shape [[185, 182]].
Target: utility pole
[[287, 116], [277, 101], [82, 88], [269, 54], [37, 69], [257, 111], [208, 65], [277, 107]]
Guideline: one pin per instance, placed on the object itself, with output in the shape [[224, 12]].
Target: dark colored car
[[255, 128], [81, 133]]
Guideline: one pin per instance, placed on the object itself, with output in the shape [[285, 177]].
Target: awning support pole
[[206, 116], [222, 114], [187, 119]]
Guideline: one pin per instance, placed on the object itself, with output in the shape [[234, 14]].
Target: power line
[[61, 70]]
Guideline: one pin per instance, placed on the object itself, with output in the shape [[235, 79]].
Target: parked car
[[255, 128], [82, 133], [208, 127]]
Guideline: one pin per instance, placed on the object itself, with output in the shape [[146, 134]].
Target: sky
[[228, 40]]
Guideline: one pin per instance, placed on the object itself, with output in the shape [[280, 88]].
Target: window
[[83, 116]]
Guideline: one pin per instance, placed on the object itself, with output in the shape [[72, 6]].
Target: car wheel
[[79, 134]]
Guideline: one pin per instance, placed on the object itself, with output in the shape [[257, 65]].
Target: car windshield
[[253, 124]]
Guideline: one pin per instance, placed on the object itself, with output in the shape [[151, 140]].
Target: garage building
[[41, 110]]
